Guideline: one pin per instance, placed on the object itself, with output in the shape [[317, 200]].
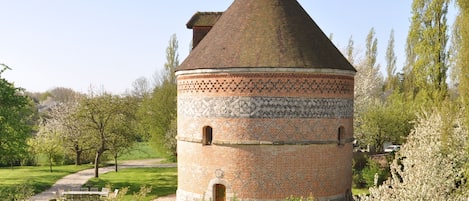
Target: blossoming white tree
[[430, 166]]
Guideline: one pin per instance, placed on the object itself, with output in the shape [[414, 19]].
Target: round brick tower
[[265, 108]]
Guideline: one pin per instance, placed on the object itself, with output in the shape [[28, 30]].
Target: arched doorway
[[219, 191]]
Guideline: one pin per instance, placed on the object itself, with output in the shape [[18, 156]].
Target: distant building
[[265, 107]]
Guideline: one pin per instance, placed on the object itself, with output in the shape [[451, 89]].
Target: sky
[[111, 43]]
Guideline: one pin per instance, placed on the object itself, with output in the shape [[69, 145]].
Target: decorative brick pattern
[[264, 107], [272, 83]]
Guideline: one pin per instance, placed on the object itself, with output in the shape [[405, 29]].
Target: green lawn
[[141, 150], [162, 180], [360, 191], [38, 177]]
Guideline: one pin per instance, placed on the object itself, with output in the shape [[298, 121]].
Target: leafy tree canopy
[[15, 120]]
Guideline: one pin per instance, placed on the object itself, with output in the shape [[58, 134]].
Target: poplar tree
[[391, 62], [427, 63], [350, 51], [158, 112], [462, 62], [368, 81]]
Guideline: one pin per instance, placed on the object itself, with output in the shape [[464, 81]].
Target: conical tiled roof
[[265, 33]]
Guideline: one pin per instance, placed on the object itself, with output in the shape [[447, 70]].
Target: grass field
[[38, 177], [141, 150], [162, 180]]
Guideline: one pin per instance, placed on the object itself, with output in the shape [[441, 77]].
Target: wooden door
[[220, 192]]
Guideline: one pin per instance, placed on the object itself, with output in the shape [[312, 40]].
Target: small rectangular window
[[341, 136], [207, 135]]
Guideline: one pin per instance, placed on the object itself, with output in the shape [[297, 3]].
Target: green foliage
[[350, 51], [392, 81], [462, 63], [371, 49], [17, 192], [385, 122], [364, 174], [429, 167], [110, 124], [427, 54], [357, 177], [48, 142], [373, 174], [16, 120], [158, 112]]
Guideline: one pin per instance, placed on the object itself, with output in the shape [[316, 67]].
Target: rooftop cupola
[[201, 23]]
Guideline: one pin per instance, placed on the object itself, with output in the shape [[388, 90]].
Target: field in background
[[141, 150]]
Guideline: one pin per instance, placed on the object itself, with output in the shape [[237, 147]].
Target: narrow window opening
[[341, 136], [207, 135]]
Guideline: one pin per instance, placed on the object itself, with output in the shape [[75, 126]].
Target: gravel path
[[78, 179]]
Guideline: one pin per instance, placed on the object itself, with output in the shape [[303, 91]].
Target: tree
[[172, 60], [390, 121], [429, 166], [368, 81], [159, 111], [462, 59], [16, 116], [64, 95], [391, 82], [72, 132], [104, 117], [462, 63], [49, 142], [141, 88], [371, 53], [350, 53], [123, 129], [368, 84], [427, 62]]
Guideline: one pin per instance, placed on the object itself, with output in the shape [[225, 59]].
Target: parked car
[[392, 148]]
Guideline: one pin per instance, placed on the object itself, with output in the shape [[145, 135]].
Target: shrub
[[430, 165], [17, 192], [373, 174]]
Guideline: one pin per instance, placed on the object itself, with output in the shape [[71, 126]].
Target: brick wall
[[265, 146]]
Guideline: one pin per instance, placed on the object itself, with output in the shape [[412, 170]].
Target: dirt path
[[78, 179]]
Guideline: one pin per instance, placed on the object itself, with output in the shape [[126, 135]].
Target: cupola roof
[[265, 33]]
